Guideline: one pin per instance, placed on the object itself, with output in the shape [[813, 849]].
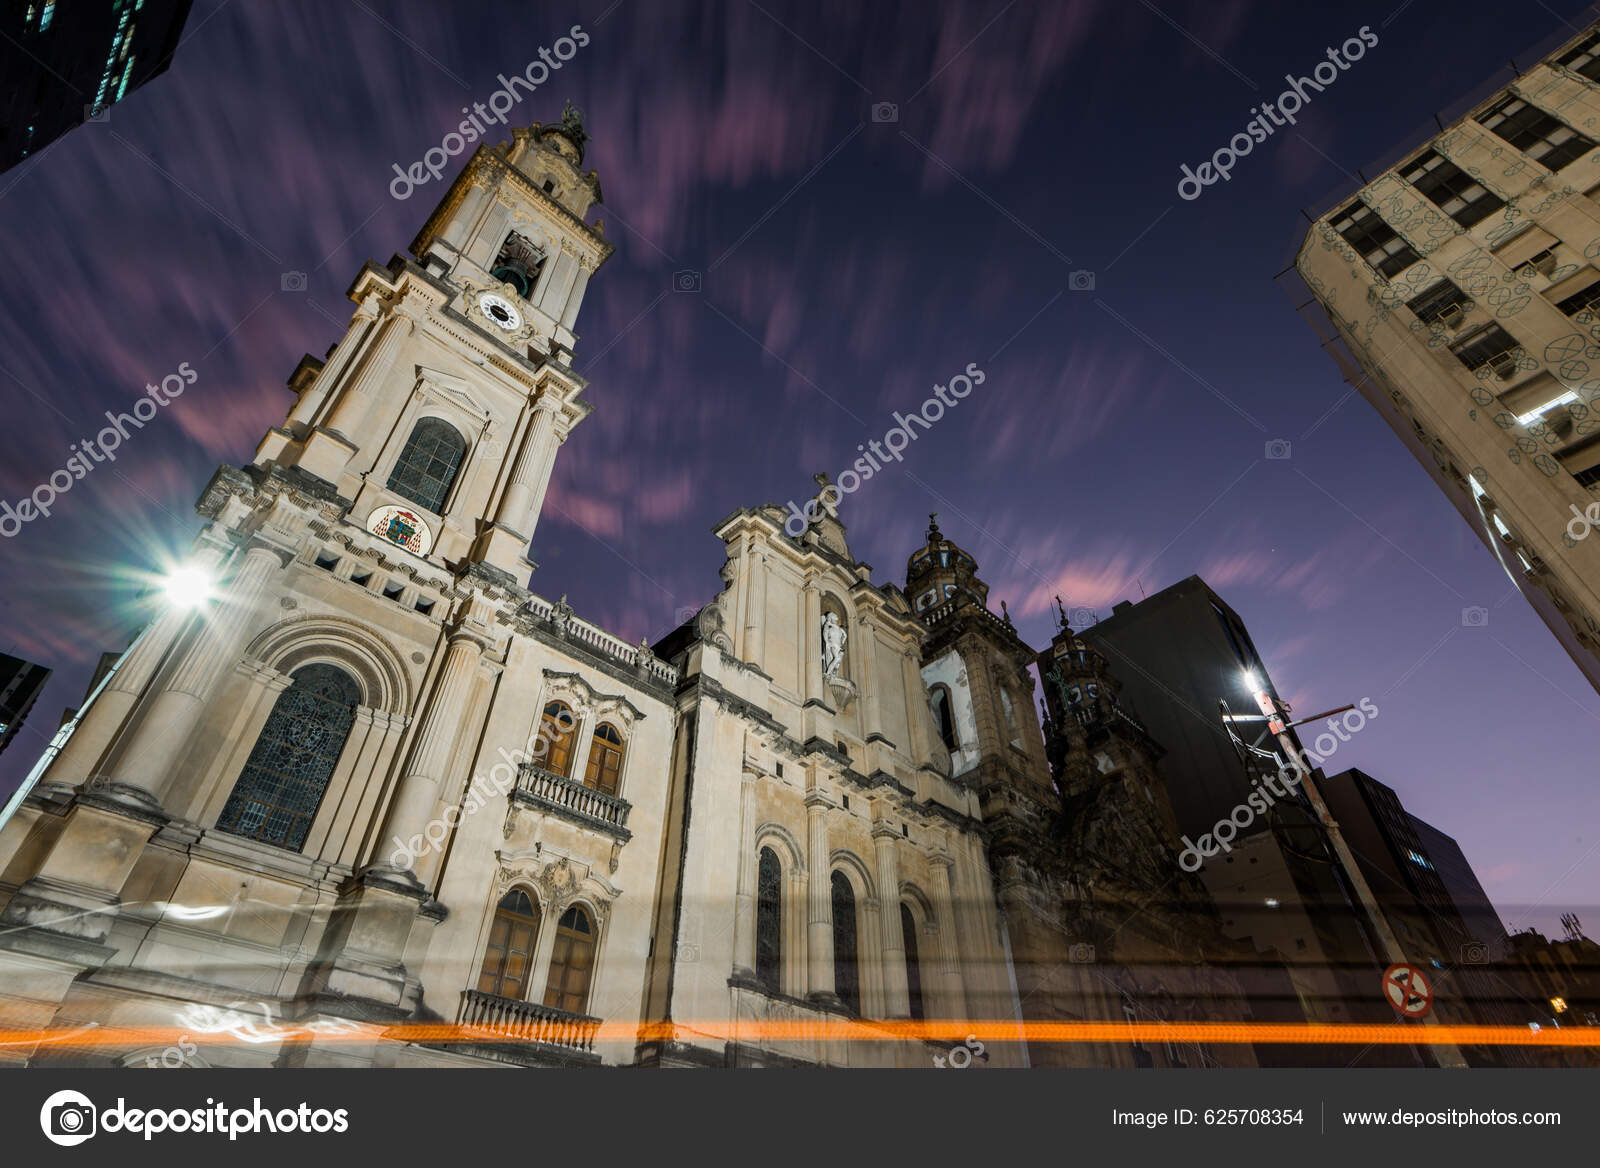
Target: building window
[[1584, 57], [571, 963], [1374, 240], [283, 781], [508, 960], [605, 760], [908, 930], [846, 968], [555, 731], [1441, 302], [427, 466], [519, 264], [769, 919], [944, 717], [1545, 139], [1452, 189], [1490, 345], [1582, 300]]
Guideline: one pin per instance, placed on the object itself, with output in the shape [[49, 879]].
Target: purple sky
[[848, 265]]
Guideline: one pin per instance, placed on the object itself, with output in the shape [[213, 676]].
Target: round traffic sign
[[1408, 990]]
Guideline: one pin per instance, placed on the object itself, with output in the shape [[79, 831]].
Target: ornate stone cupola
[[940, 571]]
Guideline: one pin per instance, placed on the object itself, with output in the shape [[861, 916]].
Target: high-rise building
[[67, 62], [20, 684], [1278, 885], [1478, 915], [1461, 296]]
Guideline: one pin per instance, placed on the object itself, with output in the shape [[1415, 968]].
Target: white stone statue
[[833, 638]]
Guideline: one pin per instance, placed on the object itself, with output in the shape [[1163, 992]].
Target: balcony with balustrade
[[573, 801], [526, 1032]]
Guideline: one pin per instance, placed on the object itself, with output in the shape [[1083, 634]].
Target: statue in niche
[[833, 639]]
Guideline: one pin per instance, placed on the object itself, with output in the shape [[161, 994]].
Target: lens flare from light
[[186, 587]]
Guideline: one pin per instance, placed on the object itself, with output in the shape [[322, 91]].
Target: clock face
[[500, 311]]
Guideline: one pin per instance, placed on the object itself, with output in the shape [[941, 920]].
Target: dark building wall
[[1472, 903], [1177, 653], [20, 685], [59, 60]]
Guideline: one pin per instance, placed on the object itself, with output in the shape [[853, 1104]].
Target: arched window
[[427, 465], [846, 970], [605, 759], [287, 773], [508, 960], [571, 963], [769, 919], [555, 739], [944, 717], [908, 931]]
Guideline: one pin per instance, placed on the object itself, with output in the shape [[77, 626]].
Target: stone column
[[744, 918], [921, 746], [505, 541], [796, 968], [955, 992], [349, 348], [896, 986], [350, 410], [811, 642], [755, 615], [819, 902], [147, 757], [430, 756], [80, 755]]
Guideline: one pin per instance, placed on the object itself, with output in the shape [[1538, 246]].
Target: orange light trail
[[987, 1030]]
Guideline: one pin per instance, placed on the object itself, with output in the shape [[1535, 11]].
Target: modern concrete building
[[1461, 296], [1472, 904], [64, 63]]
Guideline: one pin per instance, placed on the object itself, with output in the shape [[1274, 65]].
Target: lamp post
[[1278, 725]]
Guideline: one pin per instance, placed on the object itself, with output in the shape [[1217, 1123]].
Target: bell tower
[[367, 572], [440, 412]]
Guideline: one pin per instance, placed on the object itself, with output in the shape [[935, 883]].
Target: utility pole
[[1279, 726]]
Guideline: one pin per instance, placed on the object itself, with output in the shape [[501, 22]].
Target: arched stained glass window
[[428, 464], [571, 963], [605, 759], [508, 961], [846, 968], [908, 930], [769, 919], [283, 781]]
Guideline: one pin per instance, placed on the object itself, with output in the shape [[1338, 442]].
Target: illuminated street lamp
[[187, 586], [1276, 716]]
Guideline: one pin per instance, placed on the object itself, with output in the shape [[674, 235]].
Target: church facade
[[378, 787]]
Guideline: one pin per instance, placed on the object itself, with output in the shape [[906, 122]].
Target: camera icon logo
[[1081, 280], [68, 1118], [687, 280], [1474, 953], [1082, 618], [1474, 617], [885, 111], [1081, 953], [292, 282], [687, 952], [1278, 448], [97, 113]]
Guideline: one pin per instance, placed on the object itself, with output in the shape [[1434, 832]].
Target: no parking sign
[[1408, 990]]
